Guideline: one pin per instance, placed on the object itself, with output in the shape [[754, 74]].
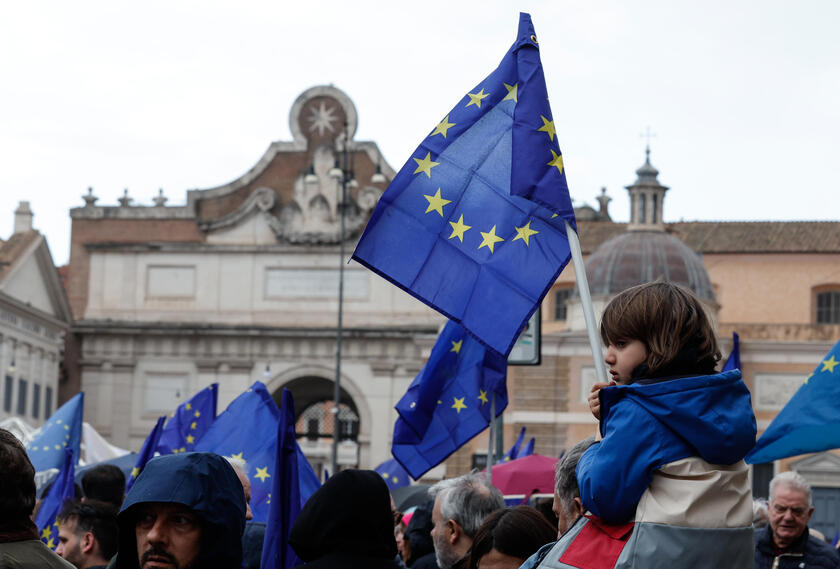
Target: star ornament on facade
[[459, 404], [459, 228], [262, 474], [436, 202], [556, 161], [489, 239], [476, 98], [443, 126], [547, 127], [512, 92], [321, 119], [829, 364], [525, 232], [425, 165]]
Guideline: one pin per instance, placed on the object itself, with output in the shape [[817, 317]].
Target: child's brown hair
[[668, 319]]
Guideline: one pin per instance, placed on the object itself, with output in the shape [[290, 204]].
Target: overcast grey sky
[[742, 96]]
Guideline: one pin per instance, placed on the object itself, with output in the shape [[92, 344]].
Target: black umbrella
[[407, 496]]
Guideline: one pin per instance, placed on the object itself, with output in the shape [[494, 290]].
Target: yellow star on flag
[[425, 165], [459, 404], [511, 92], [556, 161], [51, 543], [829, 364], [436, 202], [547, 127], [395, 479], [525, 232], [193, 425], [482, 396], [456, 346], [197, 413], [66, 427], [810, 375], [489, 239], [237, 456], [459, 228], [46, 532], [262, 474], [134, 472], [443, 126], [187, 406], [190, 439], [476, 98]]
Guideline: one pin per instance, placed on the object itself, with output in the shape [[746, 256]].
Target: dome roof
[[638, 257]]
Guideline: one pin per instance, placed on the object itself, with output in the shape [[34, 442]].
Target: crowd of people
[[664, 484]]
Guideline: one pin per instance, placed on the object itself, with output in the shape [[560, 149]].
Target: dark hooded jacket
[[419, 535], [205, 483], [347, 523]]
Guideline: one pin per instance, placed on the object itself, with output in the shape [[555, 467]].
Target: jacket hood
[[349, 515], [712, 413], [205, 483], [419, 532]]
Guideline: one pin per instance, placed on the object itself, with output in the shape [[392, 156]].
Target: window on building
[[7, 394], [47, 402], [23, 387], [762, 474], [36, 400], [642, 208], [561, 295], [653, 212], [828, 307]]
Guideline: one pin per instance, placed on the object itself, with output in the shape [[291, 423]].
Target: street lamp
[[343, 172]]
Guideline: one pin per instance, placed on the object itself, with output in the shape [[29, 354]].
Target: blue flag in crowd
[[286, 505], [62, 430], [810, 422], [734, 360], [147, 452], [448, 403], [189, 422], [247, 430], [529, 448], [457, 227], [394, 475], [513, 453], [61, 490]]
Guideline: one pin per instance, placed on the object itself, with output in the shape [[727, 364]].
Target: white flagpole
[[490, 457], [586, 304]]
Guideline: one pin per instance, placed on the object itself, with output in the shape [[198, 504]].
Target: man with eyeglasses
[[785, 542]]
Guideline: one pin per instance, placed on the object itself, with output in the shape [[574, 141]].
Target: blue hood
[[711, 413], [205, 483]]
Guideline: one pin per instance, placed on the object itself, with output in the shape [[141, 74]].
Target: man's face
[[789, 514], [564, 519], [70, 544], [168, 536], [246, 488], [445, 554]]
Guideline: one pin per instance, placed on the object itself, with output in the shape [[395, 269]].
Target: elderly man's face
[[789, 514], [445, 554], [168, 536], [246, 488]]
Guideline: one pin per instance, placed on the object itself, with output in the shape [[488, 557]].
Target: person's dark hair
[[17, 490], [105, 483], [518, 532], [99, 518], [669, 320]]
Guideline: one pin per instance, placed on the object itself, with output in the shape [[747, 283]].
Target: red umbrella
[[525, 475]]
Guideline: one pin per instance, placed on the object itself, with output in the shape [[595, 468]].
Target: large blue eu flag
[[189, 422], [62, 489], [810, 422], [247, 430], [473, 223], [62, 430], [449, 401]]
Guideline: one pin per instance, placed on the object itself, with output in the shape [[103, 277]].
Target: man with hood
[[184, 511], [347, 524]]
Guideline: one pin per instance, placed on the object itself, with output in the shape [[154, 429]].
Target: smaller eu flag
[[810, 421], [448, 403], [189, 422], [529, 448], [394, 475], [286, 505], [62, 430], [247, 430], [61, 490], [474, 224], [513, 453], [147, 452], [734, 360]]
